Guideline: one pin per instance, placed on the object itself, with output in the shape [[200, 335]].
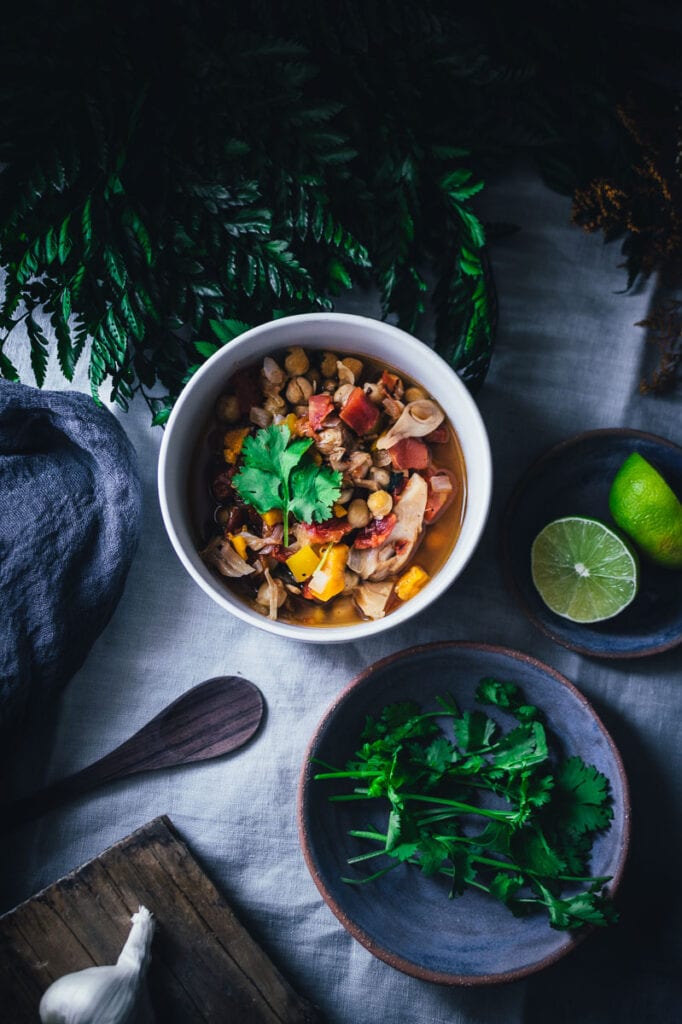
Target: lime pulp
[[583, 570]]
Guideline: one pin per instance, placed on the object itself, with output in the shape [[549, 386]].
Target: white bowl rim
[[448, 572]]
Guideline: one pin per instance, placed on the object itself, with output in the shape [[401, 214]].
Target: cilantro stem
[[464, 808], [348, 775]]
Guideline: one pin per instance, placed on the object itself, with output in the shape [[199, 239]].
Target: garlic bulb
[[416, 420], [103, 995]]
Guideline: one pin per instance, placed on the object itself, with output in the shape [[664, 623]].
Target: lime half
[[583, 571]]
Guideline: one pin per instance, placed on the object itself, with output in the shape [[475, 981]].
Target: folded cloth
[[70, 504]]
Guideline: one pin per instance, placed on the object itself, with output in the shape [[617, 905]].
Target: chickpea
[[354, 365], [222, 515], [415, 395], [314, 375], [297, 362], [299, 390], [274, 404], [227, 408], [380, 504], [374, 392], [328, 364], [341, 394], [380, 476], [358, 513], [345, 374], [382, 457]]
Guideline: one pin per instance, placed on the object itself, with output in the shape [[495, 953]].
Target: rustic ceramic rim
[[548, 456], [398, 962]]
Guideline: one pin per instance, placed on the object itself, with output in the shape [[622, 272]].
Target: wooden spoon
[[211, 719]]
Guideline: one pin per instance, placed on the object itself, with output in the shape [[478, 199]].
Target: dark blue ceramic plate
[[404, 918], [574, 478]]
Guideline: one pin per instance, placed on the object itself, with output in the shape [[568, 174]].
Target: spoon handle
[[213, 718]]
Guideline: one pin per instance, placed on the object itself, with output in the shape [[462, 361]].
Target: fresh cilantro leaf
[[591, 907], [474, 731], [532, 853], [404, 851], [506, 695], [314, 489], [259, 488], [272, 477], [440, 754], [581, 801], [505, 885], [524, 746], [498, 692], [432, 853]]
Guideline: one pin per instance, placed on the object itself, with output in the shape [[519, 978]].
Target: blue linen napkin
[[70, 510]]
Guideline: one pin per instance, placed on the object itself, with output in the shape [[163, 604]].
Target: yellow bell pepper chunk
[[272, 517], [238, 542], [328, 580], [411, 582], [303, 563], [233, 442], [339, 510]]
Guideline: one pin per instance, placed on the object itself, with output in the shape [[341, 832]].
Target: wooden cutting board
[[205, 966]]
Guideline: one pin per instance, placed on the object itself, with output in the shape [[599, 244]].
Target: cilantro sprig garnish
[[275, 475], [488, 809]]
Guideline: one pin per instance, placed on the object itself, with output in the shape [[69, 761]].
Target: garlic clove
[[107, 994]]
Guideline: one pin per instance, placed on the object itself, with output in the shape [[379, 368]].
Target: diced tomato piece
[[410, 453], [438, 500], [322, 533], [246, 386], [437, 436], [390, 381], [376, 532], [319, 407], [359, 413]]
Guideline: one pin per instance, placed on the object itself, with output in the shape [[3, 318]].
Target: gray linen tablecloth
[[568, 358]]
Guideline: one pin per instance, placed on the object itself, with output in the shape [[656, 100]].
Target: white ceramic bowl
[[338, 332]]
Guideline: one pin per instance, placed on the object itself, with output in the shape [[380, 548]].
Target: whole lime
[[647, 509]]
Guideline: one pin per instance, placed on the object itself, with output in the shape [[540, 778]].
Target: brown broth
[[434, 548]]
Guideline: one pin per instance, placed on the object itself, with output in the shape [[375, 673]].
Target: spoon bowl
[[214, 718]]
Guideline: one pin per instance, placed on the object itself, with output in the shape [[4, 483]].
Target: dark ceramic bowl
[[574, 478], [404, 918]]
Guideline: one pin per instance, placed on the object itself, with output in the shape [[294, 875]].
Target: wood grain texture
[[212, 719], [205, 966]]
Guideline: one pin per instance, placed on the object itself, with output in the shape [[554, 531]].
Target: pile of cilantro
[[489, 809]]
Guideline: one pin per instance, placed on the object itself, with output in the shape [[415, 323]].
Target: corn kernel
[[272, 517], [411, 582]]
